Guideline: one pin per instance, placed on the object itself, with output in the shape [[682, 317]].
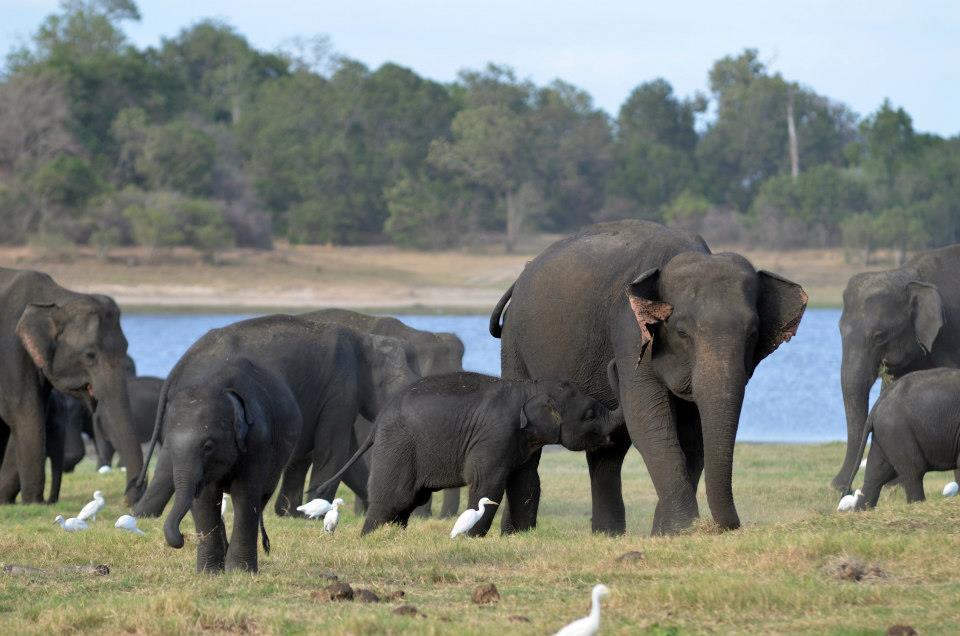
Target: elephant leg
[[291, 488], [211, 533], [606, 488], [56, 471], [242, 551], [690, 436], [9, 475], [356, 479], [451, 503], [378, 515], [523, 498], [104, 448], [879, 472], [334, 443], [424, 511], [160, 488], [29, 440], [491, 486], [73, 446]]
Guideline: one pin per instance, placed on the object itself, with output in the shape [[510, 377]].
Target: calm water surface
[[794, 395]]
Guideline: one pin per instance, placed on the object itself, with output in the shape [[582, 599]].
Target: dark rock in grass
[[408, 610], [519, 619], [487, 593], [851, 569], [365, 596], [21, 570], [94, 570], [396, 595], [330, 576], [631, 557], [901, 630], [336, 591]]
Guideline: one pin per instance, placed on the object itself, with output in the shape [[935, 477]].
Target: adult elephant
[[144, 393], [685, 327], [435, 353], [904, 320], [54, 337]]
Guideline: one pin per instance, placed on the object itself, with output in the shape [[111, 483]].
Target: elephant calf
[[468, 429], [915, 430]]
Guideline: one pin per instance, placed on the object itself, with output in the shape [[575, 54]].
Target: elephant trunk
[[186, 487], [109, 387], [858, 372], [719, 403]]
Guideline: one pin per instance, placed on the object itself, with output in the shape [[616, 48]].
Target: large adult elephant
[[904, 319], [54, 337], [436, 353], [686, 329]]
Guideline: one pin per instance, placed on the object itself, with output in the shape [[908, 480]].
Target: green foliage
[[178, 157], [65, 181], [166, 219], [686, 207], [428, 212], [311, 223]]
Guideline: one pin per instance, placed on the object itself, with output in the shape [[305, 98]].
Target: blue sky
[[856, 51]]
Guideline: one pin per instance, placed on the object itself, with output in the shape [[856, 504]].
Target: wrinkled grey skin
[[469, 429], [230, 428], [905, 319], [916, 429], [144, 394], [51, 337], [436, 353], [686, 329], [335, 372]]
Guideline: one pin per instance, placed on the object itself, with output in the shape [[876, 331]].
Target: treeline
[[209, 142]]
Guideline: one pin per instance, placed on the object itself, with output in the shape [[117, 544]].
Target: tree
[[888, 141], [34, 118], [177, 156]]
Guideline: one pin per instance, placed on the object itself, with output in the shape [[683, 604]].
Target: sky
[[858, 52]]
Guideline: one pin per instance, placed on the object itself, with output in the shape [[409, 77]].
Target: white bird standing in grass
[[223, 505], [951, 489], [470, 517], [332, 518], [72, 524], [317, 508], [588, 625], [90, 510], [128, 523], [849, 502], [103, 470]]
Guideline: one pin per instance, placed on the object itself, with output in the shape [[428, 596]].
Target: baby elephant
[[468, 429], [916, 429]]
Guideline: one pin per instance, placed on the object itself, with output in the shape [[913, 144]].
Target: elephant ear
[[643, 294], [241, 423], [540, 419], [37, 330], [927, 307], [780, 306]]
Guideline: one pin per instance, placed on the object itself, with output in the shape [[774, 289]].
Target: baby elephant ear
[[540, 418], [927, 308], [643, 294], [241, 426]]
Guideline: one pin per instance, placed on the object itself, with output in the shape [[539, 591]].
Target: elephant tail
[[157, 425], [367, 443], [867, 428], [496, 328]]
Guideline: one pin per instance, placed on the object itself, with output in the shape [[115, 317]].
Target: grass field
[[776, 575]]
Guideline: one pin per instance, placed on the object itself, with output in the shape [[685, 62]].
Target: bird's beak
[[495, 503]]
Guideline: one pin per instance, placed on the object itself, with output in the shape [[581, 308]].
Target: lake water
[[794, 395]]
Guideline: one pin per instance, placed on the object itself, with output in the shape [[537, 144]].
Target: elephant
[[51, 337], [469, 429], [334, 371], [230, 425], [904, 319], [915, 430], [435, 353], [144, 393], [685, 327]]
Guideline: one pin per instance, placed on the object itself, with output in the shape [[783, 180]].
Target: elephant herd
[[628, 333]]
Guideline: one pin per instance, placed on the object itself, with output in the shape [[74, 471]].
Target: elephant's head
[[701, 325], [890, 319], [389, 365], [443, 354], [559, 413], [206, 430], [81, 350]]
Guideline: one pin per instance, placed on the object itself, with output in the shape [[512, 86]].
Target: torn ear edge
[[647, 311]]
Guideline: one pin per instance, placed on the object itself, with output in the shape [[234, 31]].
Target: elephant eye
[[878, 337], [589, 415], [683, 334], [90, 355]]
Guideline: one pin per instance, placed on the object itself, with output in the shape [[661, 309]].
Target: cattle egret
[[72, 524], [90, 510], [469, 517], [128, 523], [317, 508], [103, 470], [332, 518], [588, 625], [849, 502], [223, 505], [951, 489], [863, 464]]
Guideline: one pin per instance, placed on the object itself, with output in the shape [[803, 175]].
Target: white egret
[[128, 523], [951, 489], [588, 625], [470, 517], [317, 507], [849, 502], [90, 510], [72, 524], [103, 470], [332, 518], [223, 504]]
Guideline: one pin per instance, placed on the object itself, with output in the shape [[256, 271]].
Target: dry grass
[[774, 576], [299, 277]]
